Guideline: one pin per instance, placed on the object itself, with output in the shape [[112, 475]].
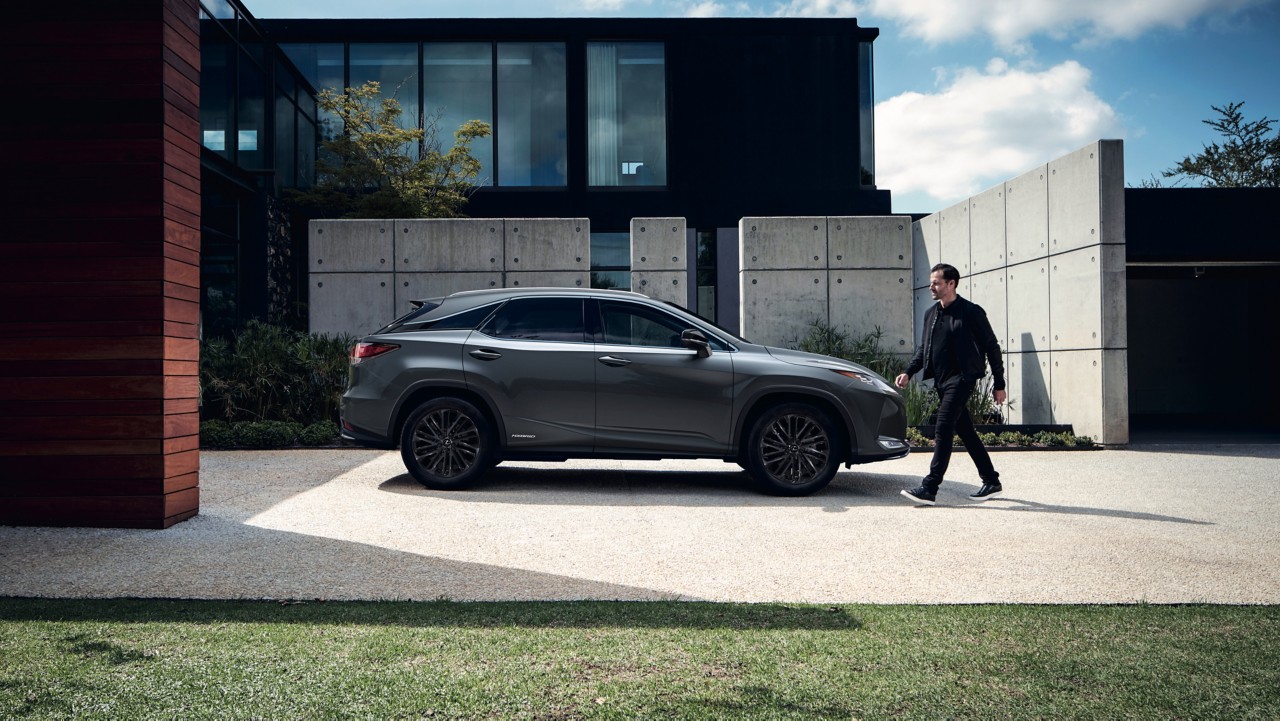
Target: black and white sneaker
[[921, 495], [988, 491]]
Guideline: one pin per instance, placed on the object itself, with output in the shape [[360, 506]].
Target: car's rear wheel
[[793, 450], [447, 443]]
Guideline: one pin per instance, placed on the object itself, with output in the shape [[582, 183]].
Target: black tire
[[447, 444], [793, 450]]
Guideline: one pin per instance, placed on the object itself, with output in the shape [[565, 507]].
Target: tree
[[1246, 159], [370, 170]]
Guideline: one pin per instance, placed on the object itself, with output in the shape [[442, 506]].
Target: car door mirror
[[694, 339]]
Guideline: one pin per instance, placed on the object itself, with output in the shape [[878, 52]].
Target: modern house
[[144, 209]]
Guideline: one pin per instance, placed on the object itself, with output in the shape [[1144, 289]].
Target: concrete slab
[[1074, 196], [986, 225], [926, 249], [1028, 292], [1077, 388], [782, 243], [869, 242], [416, 286], [863, 300], [1075, 299], [668, 285], [1028, 380], [538, 244], [351, 246], [449, 245], [658, 244], [954, 232], [1027, 216], [778, 306], [988, 290], [549, 279], [353, 303]]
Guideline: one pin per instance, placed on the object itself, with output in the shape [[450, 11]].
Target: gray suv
[[464, 382]]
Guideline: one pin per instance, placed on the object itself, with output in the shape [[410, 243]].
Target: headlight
[[867, 378]]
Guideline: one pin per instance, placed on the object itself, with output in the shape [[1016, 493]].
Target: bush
[[269, 373], [319, 434], [216, 434], [865, 351]]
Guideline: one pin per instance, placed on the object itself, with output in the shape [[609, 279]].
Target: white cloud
[[820, 9], [1010, 22], [708, 9], [986, 126]]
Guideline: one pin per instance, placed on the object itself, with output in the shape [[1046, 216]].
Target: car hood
[[815, 360]]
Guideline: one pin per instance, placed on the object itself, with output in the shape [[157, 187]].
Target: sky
[[970, 93]]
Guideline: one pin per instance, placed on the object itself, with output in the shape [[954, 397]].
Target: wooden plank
[[82, 388], [175, 444], [103, 329], [81, 447], [180, 254], [21, 409], [104, 467], [181, 387], [187, 274], [102, 289], [91, 348], [141, 427]]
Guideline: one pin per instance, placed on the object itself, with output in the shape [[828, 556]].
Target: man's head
[[943, 279]]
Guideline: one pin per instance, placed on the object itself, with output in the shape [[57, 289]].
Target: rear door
[[533, 359]]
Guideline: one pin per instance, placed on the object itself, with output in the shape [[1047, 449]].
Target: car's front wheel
[[447, 443], [793, 450]]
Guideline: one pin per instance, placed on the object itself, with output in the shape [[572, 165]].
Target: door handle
[[485, 355], [613, 360]]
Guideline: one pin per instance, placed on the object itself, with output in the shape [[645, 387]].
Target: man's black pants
[[953, 419]]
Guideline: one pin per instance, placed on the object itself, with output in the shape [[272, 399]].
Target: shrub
[[915, 438], [216, 434], [266, 434], [319, 434], [270, 373], [865, 351]]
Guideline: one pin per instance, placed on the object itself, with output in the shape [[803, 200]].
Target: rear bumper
[[367, 439]]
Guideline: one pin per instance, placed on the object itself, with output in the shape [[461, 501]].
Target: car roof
[[486, 294]]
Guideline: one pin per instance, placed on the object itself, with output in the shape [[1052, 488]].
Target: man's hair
[[949, 272]]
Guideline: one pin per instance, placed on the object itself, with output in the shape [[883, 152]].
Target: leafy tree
[[1247, 158], [370, 170]]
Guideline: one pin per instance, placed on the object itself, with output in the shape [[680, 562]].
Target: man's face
[[943, 290]]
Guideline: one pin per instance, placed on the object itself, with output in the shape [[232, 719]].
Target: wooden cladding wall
[[100, 264]]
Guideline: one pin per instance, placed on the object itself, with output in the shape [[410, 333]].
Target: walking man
[[954, 350]]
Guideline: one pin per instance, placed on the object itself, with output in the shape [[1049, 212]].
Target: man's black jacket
[[975, 344]]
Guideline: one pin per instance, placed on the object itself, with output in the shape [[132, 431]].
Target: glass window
[[626, 114], [251, 115], [457, 86], [395, 66], [611, 260], [217, 90], [285, 165], [633, 324], [532, 137], [866, 115], [706, 269], [541, 319], [322, 65]]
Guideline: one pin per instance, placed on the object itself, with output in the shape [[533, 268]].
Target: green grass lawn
[[121, 659]]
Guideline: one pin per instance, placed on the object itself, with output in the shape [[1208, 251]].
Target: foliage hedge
[[270, 373], [217, 434]]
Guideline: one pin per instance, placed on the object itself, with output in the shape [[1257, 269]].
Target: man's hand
[[901, 380], [999, 396]]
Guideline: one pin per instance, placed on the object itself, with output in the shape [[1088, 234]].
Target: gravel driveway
[[1162, 524]]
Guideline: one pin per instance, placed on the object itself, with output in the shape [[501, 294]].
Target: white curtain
[[602, 114]]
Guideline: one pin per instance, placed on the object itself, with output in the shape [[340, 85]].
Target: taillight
[[363, 351]]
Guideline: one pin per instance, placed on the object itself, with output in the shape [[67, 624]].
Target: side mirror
[[693, 339]]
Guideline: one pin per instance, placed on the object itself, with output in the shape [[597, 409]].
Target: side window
[[466, 320], [632, 324], [541, 319]]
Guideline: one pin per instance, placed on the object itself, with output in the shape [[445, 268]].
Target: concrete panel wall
[[853, 273], [365, 272], [660, 259], [926, 249], [1055, 237]]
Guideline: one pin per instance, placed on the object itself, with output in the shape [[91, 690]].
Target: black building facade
[[612, 119]]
